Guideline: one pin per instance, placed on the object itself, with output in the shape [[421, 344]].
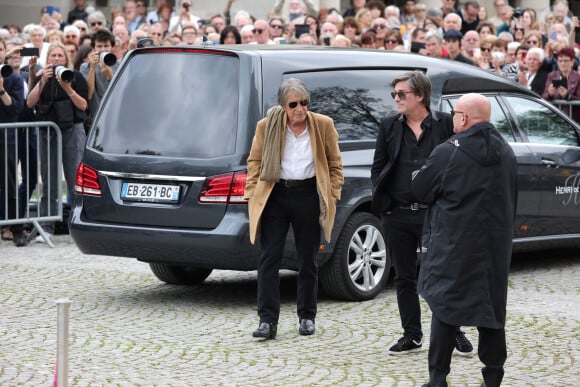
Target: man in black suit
[[404, 142]]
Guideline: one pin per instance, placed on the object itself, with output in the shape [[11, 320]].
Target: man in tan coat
[[294, 178]]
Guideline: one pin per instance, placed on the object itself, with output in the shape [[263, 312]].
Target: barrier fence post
[[63, 308]]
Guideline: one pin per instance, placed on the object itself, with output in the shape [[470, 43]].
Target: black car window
[[498, 117], [541, 124], [359, 102], [171, 104]]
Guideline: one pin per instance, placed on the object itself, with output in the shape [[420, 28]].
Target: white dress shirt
[[297, 157]]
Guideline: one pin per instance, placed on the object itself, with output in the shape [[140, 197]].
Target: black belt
[[297, 183], [414, 206]]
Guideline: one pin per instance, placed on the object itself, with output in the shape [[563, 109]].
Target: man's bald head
[[469, 110]]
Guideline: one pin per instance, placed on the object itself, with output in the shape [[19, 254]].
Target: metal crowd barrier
[[560, 103], [24, 140]]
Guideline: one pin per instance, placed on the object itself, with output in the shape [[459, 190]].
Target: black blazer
[[388, 147], [539, 82]]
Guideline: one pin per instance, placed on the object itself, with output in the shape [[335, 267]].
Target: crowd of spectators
[[540, 54], [496, 40]]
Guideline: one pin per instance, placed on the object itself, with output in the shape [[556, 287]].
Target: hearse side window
[[357, 100], [542, 125], [498, 117]]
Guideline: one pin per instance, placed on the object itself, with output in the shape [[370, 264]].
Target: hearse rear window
[[176, 105]]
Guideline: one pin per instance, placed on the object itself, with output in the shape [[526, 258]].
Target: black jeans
[[403, 229], [491, 350], [9, 183], [299, 207], [27, 155]]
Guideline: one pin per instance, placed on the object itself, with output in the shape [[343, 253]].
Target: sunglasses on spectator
[[257, 30], [294, 104], [485, 48], [390, 41], [532, 42], [70, 36], [279, 26], [519, 29], [98, 23], [401, 94], [379, 26]]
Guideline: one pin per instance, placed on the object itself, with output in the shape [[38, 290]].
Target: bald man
[[469, 182]]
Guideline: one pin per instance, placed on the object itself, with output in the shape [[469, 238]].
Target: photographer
[[11, 101], [97, 73], [185, 15], [63, 103]]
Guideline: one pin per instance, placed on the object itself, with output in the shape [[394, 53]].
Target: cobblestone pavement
[[129, 329]]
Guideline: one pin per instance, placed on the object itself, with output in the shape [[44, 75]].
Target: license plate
[[157, 193]]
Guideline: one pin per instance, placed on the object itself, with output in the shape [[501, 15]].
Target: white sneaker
[[40, 239]]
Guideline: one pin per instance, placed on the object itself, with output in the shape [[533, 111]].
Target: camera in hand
[[108, 58], [63, 73], [560, 82], [29, 51], [5, 71]]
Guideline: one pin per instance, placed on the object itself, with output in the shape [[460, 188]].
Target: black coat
[[387, 150], [470, 183]]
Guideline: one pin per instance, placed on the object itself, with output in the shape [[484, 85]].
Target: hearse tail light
[[87, 181], [227, 188]]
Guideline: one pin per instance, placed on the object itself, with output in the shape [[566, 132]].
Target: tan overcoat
[[327, 164]]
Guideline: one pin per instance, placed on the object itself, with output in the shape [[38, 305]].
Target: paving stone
[[129, 329]]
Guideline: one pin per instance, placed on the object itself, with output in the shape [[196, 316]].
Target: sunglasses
[[519, 29], [453, 112], [390, 41], [257, 30], [379, 26], [532, 42], [279, 26], [294, 104], [96, 24], [70, 36], [485, 49], [401, 94]]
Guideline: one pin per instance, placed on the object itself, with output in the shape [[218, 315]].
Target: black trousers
[[299, 207], [403, 229], [491, 350], [9, 183]]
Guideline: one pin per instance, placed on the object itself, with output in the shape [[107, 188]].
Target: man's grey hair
[[453, 15], [292, 86], [419, 84], [434, 34]]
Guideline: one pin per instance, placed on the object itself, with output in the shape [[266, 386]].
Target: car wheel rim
[[367, 258]]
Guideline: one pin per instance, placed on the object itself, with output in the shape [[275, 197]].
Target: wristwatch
[[2, 92]]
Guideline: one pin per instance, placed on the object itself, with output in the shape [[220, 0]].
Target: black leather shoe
[[266, 330], [19, 239], [306, 327]]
